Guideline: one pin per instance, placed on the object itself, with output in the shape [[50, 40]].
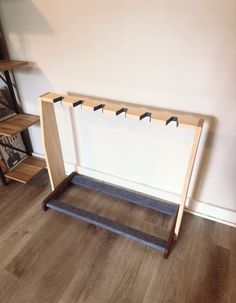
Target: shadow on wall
[[210, 126], [27, 17], [27, 20]]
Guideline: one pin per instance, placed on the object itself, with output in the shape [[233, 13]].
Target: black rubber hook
[[147, 114], [79, 102], [122, 110], [100, 106], [58, 99], [175, 119]]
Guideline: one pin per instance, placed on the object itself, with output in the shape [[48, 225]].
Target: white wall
[[171, 54]]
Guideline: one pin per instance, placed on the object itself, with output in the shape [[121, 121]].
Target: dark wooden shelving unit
[[30, 166]]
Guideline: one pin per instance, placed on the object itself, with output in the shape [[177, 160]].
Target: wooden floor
[[50, 257]]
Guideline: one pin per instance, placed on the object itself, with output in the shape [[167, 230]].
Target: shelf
[[26, 170], [17, 124], [11, 64]]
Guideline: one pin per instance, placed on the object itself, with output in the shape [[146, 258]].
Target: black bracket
[[122, 110], [100, 106], [175, 119], [147, 114], [79, 102], [58, 99]]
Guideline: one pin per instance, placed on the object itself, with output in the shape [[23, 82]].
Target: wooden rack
[[59, 181]]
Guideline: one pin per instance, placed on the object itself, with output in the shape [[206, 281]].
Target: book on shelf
[[11, 156], [6, 111]]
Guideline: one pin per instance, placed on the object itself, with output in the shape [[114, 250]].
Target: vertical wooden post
[[51, 143], [188, 176]]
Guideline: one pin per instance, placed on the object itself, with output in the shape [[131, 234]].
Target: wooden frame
[[53, 153]]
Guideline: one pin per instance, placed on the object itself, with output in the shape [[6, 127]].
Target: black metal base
[[108, 224], [164, 207]]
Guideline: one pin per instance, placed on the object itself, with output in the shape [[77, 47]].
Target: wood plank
[[232, 266], [136, 112], [11, 64], [214, 269], [187, 178], [90, 103], [161, 116], [190, 121], [51, 97], [17, 124], [72, 101], [157, 115], [114, 108], [51, 144], [26, 169], [9, 286]]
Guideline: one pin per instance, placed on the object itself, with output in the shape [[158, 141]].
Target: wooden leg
[[59, 190], [170, 240], [51, 144], [187, 179]]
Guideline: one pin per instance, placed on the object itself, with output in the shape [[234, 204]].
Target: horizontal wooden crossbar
[[130, 110], [125, 194], [108, 224]]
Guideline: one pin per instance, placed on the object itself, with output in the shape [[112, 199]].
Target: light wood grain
[[52, 258], [17, 124], [71, 101], [90, 103], [51, 144], [50, 97], [133, 111], [187, 179]]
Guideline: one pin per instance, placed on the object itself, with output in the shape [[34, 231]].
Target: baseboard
[[198, 208]]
